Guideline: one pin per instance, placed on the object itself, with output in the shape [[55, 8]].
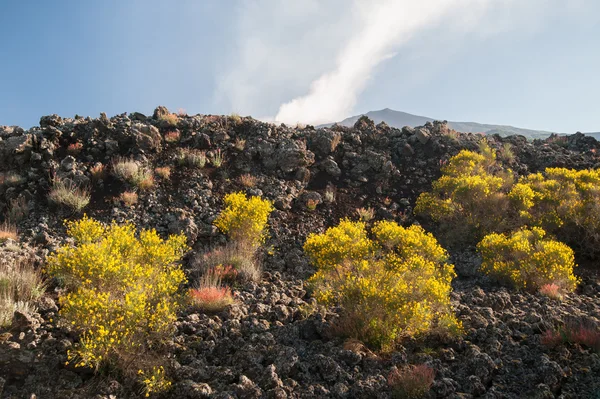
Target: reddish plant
[[172, 136], [586, 336], [98, 172], [551, 291], [551, 338], [211, 298], [411, 382], [226, 272], [74, 148], [573, 334]]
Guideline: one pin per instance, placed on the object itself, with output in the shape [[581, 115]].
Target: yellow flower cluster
[[347, 241], [470, 196], [562, 201], [154, 380], [394, 286], [527, 260], [243, 219], [122, 289]]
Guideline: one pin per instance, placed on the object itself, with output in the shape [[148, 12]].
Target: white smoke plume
[[332, 48], [386, 25]]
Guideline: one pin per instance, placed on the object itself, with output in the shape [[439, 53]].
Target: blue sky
[[533, 65]]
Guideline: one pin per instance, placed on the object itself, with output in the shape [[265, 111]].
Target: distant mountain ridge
[[400, 119]]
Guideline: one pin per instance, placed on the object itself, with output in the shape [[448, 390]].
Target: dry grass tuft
[[240, 258], [248, 180], [411, 382], [68, 194], [11, 179], [129, 198], [163, 172], [191, 158], [169, 119], [18, 209], [133, 173], [173, 136], [8, 232], [329, 196], [20, 286]]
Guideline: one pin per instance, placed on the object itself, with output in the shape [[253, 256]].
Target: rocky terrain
[[274, 342]]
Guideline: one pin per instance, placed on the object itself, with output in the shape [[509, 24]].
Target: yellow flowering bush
[[347, 241], [245, 219], [392, 286], [563, 201], [121, 294], [469, 200], [528, 260]]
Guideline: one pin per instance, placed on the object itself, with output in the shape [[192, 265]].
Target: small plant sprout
[[217, 158], [98, 171], [239, 144], [365, 214], [329, 196], [311, 204]]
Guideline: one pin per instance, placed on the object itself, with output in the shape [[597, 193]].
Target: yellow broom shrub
[[393, 286], [245, 219], [528, 260], [564, 202], [121, 295], [469, 200]]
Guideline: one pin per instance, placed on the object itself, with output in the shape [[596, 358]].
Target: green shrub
[[121, 296], [527, 260], [470, 199], [564, 202], [393, 286]]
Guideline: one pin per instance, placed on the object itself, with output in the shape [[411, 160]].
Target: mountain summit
[[400, 119]]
